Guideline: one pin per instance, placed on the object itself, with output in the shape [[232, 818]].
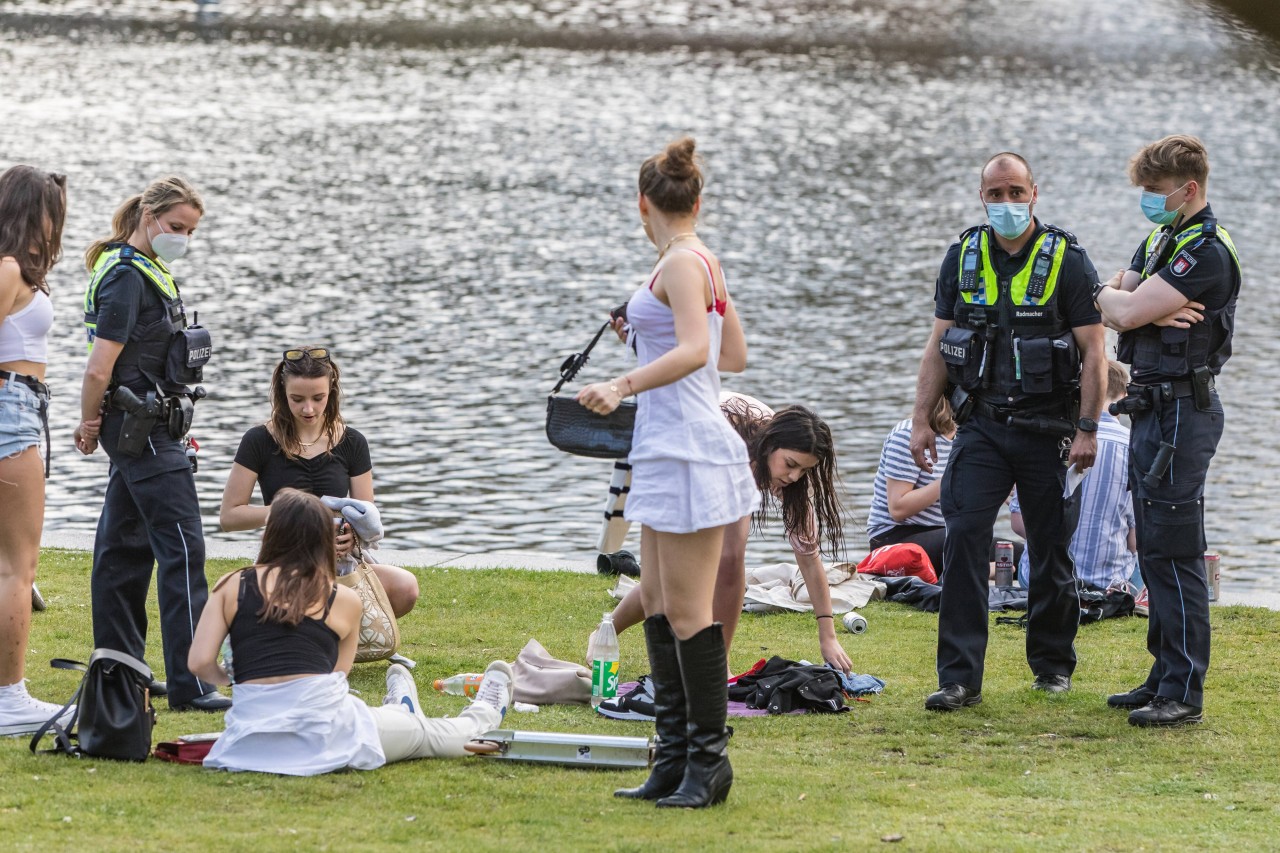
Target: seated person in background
[[1104, 546], [294, 633], [905, 506], [793, 459], [306, 445]]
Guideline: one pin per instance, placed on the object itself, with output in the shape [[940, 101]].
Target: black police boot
[[707, 775], [669, 709]]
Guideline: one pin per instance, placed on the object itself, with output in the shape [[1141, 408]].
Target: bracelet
[[825, 616], [630, 387], [613, 386]]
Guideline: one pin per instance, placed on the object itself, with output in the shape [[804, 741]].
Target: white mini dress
[[689, 469]]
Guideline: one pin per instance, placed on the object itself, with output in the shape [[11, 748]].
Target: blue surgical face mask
[[1153, 206], [1009, 219]]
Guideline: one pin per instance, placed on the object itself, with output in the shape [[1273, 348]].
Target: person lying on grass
[[293, 632]]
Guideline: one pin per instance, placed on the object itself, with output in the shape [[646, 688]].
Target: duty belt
[[1166, 390], [42, 391], [1001, 414]]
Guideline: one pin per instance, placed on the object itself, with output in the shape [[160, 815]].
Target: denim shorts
[[19, 418]]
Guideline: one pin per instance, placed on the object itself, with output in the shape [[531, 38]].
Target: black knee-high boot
[[669, 708], [707, 774]]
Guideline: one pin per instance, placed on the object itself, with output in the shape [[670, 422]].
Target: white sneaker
[[498, 688], [402, 690], [23, 714]]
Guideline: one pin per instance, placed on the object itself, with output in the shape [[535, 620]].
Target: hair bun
[[677, 162]]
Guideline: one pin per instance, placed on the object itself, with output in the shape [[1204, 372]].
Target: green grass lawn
[[1020, 771]]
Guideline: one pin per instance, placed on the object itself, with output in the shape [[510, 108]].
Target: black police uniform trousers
[[1171, 540], [150, 518], [987, 459]]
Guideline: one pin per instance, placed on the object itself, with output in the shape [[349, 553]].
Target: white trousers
[[405, 735]]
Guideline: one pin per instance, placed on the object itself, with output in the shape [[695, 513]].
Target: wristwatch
[[1098, 288], [1087, 425]]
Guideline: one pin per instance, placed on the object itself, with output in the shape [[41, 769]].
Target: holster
[[1201, 384], [961, 404], [181, 411], [134, 432]]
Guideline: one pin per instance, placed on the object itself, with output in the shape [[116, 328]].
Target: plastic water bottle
[[604, 666], [462, 684], [226, 658]]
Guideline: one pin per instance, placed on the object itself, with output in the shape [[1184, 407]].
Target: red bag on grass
[[895, 561], [188, 749]]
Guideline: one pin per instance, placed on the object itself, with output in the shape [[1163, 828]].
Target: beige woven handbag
[[379, 632]]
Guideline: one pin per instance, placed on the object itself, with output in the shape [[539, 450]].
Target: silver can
[[1004, 564], [1213, 572], [854, 623]]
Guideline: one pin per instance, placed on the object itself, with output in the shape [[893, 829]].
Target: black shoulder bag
[[113, 717], [574, 428]]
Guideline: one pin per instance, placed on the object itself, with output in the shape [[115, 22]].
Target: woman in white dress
[[690, 479], [294, 633]]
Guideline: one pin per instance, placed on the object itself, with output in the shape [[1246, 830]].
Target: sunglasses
[[319, 354]]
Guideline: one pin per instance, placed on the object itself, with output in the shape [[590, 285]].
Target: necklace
[[302, 443], [682, 236]]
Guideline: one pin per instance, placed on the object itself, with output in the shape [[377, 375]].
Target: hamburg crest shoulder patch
[[1182, 264]]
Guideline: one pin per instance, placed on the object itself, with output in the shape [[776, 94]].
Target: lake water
[[444, 193]]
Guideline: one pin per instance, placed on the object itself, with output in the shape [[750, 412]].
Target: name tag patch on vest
[[1182, 264]]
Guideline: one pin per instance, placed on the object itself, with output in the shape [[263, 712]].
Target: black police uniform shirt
[[128, 303], [328, 474], [1202, 271], [1074, 292]]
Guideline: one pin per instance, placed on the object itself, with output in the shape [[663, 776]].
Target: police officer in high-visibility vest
[[138, 397], [1175, 308], [1019, 346]]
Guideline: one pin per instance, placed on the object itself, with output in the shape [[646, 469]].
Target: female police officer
[[136, 398]]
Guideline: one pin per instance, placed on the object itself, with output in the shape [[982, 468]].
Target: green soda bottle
[[604, 666]]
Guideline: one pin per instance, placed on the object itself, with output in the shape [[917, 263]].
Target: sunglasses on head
[[318, 353]]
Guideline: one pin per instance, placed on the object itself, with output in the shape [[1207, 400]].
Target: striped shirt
[[1100, 546], [896, 464]]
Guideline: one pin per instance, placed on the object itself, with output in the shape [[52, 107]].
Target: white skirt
[[675, 496], [303, 727]]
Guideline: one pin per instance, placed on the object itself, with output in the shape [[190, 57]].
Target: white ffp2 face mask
[[168, 247]]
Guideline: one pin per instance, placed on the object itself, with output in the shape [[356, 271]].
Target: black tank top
[[267, 649]]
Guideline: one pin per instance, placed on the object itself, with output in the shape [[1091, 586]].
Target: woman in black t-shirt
[[307, 446]]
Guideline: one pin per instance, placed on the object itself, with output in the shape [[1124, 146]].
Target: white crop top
[[24, 335]]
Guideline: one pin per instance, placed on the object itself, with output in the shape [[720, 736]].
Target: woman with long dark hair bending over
[[33, 205], [690, 479], [294, 633], [793, 459]]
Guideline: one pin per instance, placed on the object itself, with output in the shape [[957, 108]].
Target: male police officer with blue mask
[[1019, 346], [143, 359], [1175, 310]]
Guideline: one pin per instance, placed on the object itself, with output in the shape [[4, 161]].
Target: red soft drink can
[[1004, 564], [1213, 572]]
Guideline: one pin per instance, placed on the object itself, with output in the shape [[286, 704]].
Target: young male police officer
[[1013, 324], [1175, 309], [151, 515]]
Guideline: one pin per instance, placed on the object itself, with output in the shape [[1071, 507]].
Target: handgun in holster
[[139, 418]]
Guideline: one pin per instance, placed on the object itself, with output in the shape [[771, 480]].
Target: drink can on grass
[[1213, 573], [1004, 564]]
